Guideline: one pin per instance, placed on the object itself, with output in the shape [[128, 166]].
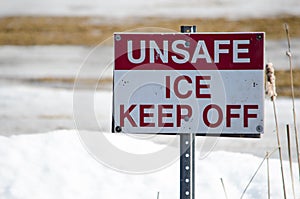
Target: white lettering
[[182, 54], [218, 51], [175, 49], [237, 50], [163, 56], [142, 52], [197, 54]]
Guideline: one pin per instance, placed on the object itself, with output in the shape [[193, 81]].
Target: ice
[[52, 61], [66, 61], [155, 8]]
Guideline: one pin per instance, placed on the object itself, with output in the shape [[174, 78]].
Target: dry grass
[[91, 31], [283, 84], [68, 82]]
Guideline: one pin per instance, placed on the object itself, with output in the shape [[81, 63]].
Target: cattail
[[271, 92], [289, 54], [271, 87]]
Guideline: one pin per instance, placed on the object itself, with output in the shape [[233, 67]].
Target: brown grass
[[91, 31], [283, 84]]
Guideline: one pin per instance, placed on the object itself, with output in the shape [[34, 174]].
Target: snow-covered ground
[[56, 165], [42, 163], [161, 8]]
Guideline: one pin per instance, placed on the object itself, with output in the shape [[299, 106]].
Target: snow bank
[[55, 165], [160, 8]]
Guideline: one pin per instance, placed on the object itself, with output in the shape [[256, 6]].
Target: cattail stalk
[[271, 91], [253, 177], [289, 54], [268, 175], [290, 159], [266, 156], [224, 189]]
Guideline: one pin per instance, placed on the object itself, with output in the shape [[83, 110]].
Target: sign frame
[[120, 65]]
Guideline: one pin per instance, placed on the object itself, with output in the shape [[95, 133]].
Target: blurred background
[[45, 44]]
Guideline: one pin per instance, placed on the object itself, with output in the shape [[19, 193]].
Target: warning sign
[[189, 83]]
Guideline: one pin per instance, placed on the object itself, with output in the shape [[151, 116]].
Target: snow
[[162, 8], [59, 164], [56, 165]]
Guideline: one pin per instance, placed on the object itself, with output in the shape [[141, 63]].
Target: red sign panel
[[189, 52]]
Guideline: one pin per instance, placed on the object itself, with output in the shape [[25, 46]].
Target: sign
[[204, 83]]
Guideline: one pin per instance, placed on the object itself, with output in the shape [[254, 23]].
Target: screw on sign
[[189, 83]]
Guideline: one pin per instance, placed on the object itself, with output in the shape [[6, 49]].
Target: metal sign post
[[187, 166], [187, 152]]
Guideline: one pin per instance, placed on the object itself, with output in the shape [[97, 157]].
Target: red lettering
[[205, 116], [127, 115], [247, 115], [168, 93], [161, 115], [199, 86], [143, 115], [176, 87], [179, 109], [230, 115]]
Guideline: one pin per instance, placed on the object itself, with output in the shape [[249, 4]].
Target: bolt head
[[118, 37], [259, 128], [118, 129]]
